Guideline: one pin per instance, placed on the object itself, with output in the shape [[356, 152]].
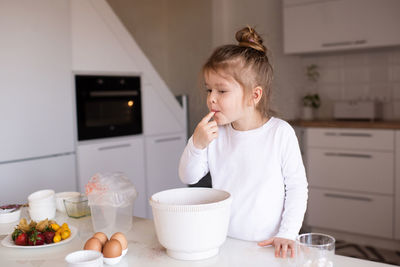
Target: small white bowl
[[84, 258], [42, 195], [11, 216], [64, 195], [42, 214], [112, 261], [42, 205], [124, 252]]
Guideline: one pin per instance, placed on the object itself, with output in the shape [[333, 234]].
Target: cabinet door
[[35, 79], [119, 155], [357, 139], [362, 171], [299, 27], [397, 183], [318, 25], [162, 159], [356, 213], [19, 179]]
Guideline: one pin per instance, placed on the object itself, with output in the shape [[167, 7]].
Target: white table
[[145, 250]]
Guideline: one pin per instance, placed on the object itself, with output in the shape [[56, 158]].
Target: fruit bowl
[[191, 223]]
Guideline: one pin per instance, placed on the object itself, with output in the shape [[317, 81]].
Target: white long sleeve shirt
[[263, 171]]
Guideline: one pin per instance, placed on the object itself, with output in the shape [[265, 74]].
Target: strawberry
[[36, 238], [16, 233], [48, 236], [21, 239]]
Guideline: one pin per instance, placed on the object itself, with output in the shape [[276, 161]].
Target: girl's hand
[[282, 245], [205, 132]]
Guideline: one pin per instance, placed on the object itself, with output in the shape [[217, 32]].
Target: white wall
[[365, 74], [176, 37], [146, 21]]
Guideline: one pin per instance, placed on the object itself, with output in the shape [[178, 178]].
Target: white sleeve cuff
[[287, 236], [194, 150]]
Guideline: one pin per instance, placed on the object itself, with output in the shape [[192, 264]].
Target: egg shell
[[102, 237], [93, 244], [121, 238], [112, 249]]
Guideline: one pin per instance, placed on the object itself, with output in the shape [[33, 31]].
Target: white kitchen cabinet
[[331, 25], [343, 169], [19, 179], [351, 212], [397, 189], [163, 153], [125, 154], [35, 80], [351, 179], [356, 139]]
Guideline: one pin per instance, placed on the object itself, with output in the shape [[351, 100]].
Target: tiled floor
[[367, 253]]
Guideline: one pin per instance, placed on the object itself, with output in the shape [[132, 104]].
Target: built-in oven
[[108, 106]]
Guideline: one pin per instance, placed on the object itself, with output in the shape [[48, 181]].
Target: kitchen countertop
[[144, 250], [346, 124]]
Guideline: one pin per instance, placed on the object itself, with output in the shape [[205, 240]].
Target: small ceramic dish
[[10, 216], [124, 252], [42, 214], [43, 196], [112, 261], [84, 258]]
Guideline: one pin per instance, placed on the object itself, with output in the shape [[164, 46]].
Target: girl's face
[[225, 97]]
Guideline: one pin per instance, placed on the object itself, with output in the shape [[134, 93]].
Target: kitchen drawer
[[363, 171], [356, 213], [351, 138]]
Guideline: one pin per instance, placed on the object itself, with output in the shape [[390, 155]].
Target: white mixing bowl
[[191, 223]]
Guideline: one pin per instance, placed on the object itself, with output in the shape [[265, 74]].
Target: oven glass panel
[[104, 113]]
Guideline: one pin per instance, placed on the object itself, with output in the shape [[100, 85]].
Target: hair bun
[[248, 37]]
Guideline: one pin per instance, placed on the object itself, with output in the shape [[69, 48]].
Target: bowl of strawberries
[[39, 234]]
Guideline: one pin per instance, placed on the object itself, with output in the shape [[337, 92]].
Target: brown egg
[[93, 244], [121, 238], [102, 237], [112, 249]]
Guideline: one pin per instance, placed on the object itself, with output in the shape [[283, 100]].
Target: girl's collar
[[265, 123]]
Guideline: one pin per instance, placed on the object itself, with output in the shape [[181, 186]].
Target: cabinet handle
[[366, 199], [345, 43], [114, 147], [356, 134], [168, 139], [349, 134], [351, 155]]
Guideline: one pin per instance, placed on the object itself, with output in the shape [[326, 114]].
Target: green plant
[[312, 72], [312, 100]]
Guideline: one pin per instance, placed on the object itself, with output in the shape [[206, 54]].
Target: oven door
[[103, 113]]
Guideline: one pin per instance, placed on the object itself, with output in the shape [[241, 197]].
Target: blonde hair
[[248, 63]]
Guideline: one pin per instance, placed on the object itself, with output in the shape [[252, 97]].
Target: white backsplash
[[358, 75]]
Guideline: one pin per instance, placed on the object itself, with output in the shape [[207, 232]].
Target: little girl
[[249, 153]]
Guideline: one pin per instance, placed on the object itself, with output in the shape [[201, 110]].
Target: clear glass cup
[[77, 207], [314, 249]]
